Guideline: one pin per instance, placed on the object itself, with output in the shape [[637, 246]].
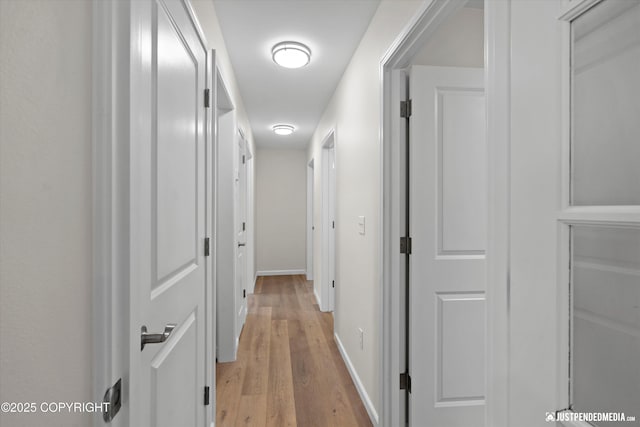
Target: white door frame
[[240, 216], [249, 215], [112, 289], [329, 250], [225, 227], [497, 86], [310, 226]]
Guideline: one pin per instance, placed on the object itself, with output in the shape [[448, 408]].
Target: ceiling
[[272, 94]]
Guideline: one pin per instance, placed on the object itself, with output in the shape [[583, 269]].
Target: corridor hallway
[[289, 371]]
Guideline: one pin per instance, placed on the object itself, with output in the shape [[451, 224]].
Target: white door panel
[[168, 221], [448, 203]]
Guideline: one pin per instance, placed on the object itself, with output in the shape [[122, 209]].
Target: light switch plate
[[361, 224]]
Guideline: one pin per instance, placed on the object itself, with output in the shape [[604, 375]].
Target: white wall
[[45, 207], [535, 201], [458, 42], [281, 201], [355, 112]]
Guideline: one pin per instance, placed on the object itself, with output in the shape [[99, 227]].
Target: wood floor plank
[[311, 407], [252, 411], [258, 288], [229, 377], [340, 413], [281, 410], [289, 371], [256, 352]]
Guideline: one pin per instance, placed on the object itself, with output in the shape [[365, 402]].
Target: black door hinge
[[244, 293], [333, 283], [244, 159], [333, 224], [207, 98], [405, 245], [206, 395], [244, 225], [405, 109], [207, 250], [405, 382]]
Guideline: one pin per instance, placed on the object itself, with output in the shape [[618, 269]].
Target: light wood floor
[[289, 371]]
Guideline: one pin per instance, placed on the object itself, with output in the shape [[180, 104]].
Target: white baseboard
[[279, 272], [315, 294], [371, 410]]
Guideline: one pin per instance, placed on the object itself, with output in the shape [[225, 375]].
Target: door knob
[[147, 338]]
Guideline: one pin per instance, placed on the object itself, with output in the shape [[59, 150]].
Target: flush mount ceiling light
[[291, 54], [283, 129]]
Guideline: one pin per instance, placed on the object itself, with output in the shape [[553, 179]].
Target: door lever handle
[[241, 244], [147, 338]]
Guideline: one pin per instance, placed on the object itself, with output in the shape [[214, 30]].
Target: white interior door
[[448, 204], [241, 237], [167, 202]]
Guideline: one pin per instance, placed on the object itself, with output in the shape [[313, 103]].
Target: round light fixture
[[291, 54], [283, 129]]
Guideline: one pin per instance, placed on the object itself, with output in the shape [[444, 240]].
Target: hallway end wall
[[355, 112], [281, 201]]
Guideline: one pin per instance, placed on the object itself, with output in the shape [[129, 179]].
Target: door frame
[[392, 212], [310, 226], [225, 243], [249, 216], [327, 291], [113, 28], [240, 196]]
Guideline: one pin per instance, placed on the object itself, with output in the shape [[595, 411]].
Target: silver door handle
[[147, 338], [241, 244]]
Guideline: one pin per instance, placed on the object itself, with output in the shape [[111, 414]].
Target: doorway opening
[[436, 187], [327, 284], [310, 226], [228, 300]]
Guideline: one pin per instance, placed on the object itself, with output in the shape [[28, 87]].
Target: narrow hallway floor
[[289, 371]]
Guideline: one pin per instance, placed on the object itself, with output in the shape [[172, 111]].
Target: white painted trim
[[563, 314], [497, 79], [279, 272], [573, 9], [109, 142], [368, 404], [498, 95], [620, 215], [210, 221]]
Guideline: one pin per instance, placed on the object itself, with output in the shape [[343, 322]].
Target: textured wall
[[45, 207]]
